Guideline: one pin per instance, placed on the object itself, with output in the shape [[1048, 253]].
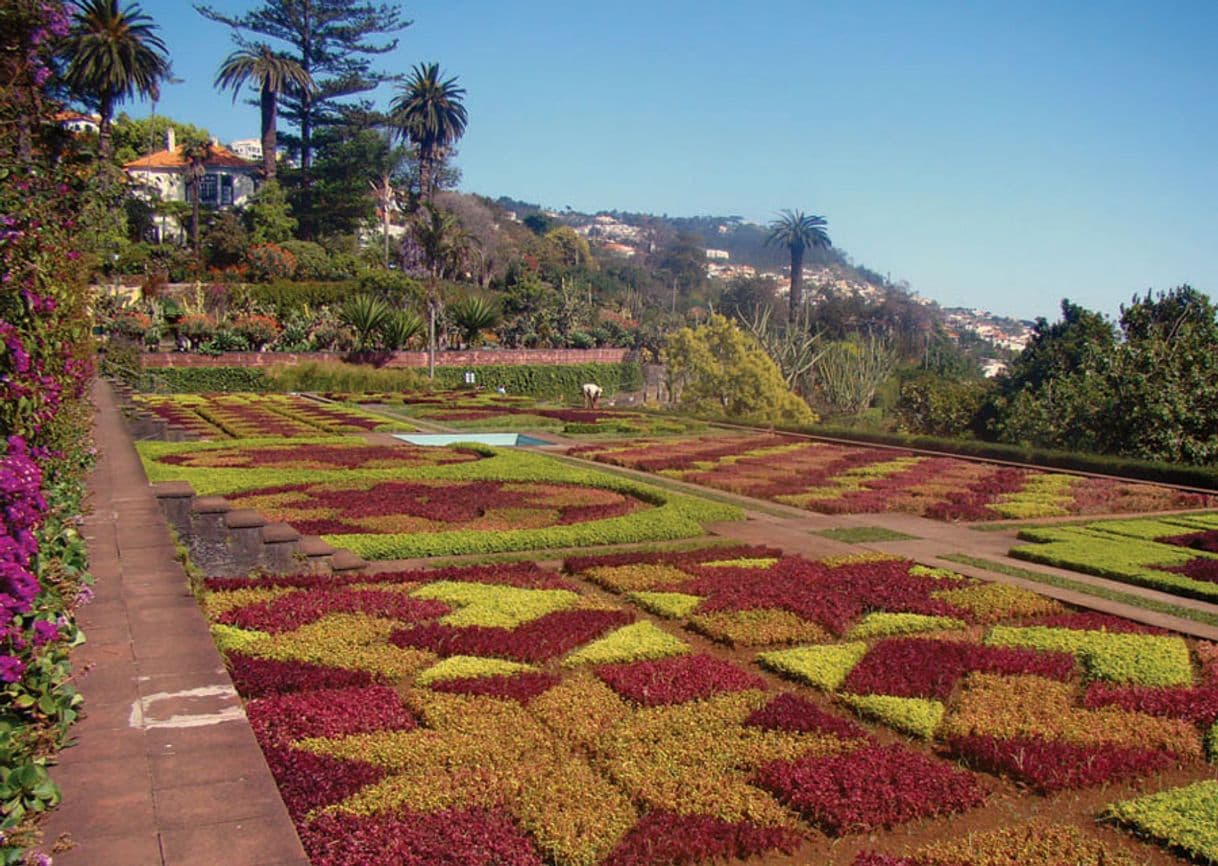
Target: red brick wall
[[474, 358]]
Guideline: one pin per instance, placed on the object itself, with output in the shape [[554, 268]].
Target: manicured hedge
[[547, 380], [538, 380], [202, 380]]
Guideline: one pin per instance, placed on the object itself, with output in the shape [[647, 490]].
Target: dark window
[[207, 188], [226, 189]]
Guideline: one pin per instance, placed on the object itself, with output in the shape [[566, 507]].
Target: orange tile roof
[[69, 115], [221, 157]]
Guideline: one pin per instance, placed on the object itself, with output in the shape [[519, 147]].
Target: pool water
[[510, 440]]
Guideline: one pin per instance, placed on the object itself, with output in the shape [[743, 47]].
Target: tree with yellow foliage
[[717, 369]]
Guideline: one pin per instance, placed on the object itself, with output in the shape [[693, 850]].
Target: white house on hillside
[[228, 182]]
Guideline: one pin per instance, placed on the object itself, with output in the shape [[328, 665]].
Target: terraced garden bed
[[1005, 680], [400, 501], [245, 416], [504, 715], [840, 479], [513, 715], [1177, 554], [462, 410]]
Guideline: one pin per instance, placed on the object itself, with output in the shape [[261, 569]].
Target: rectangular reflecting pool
[[510, 440]]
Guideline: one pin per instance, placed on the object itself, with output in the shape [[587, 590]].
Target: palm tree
[[196, 153], [399, 328], [273, 74], [113, 55], [430, 115], [798, 231], [443, 243]]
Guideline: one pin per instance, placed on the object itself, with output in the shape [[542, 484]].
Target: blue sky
[[998, 155]]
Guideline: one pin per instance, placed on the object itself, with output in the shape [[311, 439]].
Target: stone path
[[166, 771]]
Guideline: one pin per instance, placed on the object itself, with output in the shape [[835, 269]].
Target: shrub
[[257, 330], [270, 262], [312, 260]]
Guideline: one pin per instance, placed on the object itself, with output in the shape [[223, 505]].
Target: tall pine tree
[[333, 41]]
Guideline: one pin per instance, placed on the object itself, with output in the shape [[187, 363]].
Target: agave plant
[[473, 315], [365, 314], [399, 328]]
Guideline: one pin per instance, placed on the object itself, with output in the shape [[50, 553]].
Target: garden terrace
[[1177, 554], [246, 416], [840, 479], [463, 410], [506, 714], [401, 501], [1005, 680]]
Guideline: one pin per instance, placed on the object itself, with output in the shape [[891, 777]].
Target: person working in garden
[[592, 394]]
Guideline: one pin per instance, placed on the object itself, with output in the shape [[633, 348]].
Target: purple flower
[[11, 669], [45, 632]]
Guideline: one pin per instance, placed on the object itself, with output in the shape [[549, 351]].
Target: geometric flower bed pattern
[[1032, 844], [400, 501], [499, 714], [1008, 681], [1173, 553], [840, 479], [392, 507], [248, 416], [1184, 819], [462, 410]]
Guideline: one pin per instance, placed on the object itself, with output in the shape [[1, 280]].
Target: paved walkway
[[166, 771]]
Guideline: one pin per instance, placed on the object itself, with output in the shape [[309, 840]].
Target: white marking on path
[[143, 715]]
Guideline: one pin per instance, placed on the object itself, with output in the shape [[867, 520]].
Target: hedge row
[[537, 380], [548, 380]]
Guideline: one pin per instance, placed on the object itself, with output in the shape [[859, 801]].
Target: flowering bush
[[269, 262], [257, 330], [50, 208]]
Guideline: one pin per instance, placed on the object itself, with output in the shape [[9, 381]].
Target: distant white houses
[[718, 255], [247, 148], [74, 121]]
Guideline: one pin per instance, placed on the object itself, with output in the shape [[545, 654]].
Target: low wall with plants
[[467, 358]]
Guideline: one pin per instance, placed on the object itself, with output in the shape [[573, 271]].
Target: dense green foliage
[[1152, 394]]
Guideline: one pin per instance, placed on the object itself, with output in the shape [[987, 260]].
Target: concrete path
[[166, 771]]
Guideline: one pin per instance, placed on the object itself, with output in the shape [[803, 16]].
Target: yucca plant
[[366, 315], [472, 316], [399, 328]]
